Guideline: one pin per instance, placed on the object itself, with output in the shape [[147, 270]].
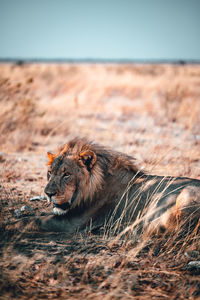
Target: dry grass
[[149, 111]]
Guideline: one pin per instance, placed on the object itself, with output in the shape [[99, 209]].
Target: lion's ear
[[50, 158], [89, 158]]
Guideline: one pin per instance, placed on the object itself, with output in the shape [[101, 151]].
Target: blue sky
[[100, 29]]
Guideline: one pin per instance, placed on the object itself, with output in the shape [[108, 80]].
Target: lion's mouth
[[58, 211], [64, 206], [61, 209]]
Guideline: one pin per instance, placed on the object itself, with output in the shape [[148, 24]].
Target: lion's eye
[[67, 174]]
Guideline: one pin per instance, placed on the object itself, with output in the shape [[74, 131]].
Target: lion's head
[[74, 174]]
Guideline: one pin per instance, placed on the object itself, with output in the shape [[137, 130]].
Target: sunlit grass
[[150, 112]]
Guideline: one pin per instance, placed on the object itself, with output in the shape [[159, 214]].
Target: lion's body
[[95, 187]]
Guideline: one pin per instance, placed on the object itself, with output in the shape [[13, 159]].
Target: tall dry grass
[[151, 112]]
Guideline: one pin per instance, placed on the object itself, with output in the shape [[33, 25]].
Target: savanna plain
[[151, 112]]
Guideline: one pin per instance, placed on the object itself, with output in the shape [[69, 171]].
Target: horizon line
[[20, 61]]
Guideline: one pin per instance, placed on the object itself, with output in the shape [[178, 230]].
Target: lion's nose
[[50, 194]]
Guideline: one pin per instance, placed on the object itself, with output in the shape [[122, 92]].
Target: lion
[[94, 187]]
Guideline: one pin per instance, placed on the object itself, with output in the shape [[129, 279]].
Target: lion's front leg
[[27, 224], [47, 223], [55, 223]]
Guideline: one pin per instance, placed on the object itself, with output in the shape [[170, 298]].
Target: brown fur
[[91, 185]]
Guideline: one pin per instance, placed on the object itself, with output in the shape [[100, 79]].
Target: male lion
[[92, 186]]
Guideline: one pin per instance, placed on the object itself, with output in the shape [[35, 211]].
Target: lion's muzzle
[[49, 193], [64, 206]]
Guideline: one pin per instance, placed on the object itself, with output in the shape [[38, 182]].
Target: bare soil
[[151, 112]]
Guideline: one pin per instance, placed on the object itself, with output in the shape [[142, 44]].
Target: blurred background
[[153, 30], [124, 73]]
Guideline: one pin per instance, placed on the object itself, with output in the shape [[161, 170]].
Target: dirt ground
[[151, 112]]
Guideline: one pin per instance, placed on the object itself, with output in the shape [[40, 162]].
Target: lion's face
[[69, 179], [62, 184]]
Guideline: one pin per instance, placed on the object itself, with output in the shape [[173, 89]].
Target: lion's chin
[[59, 211]]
